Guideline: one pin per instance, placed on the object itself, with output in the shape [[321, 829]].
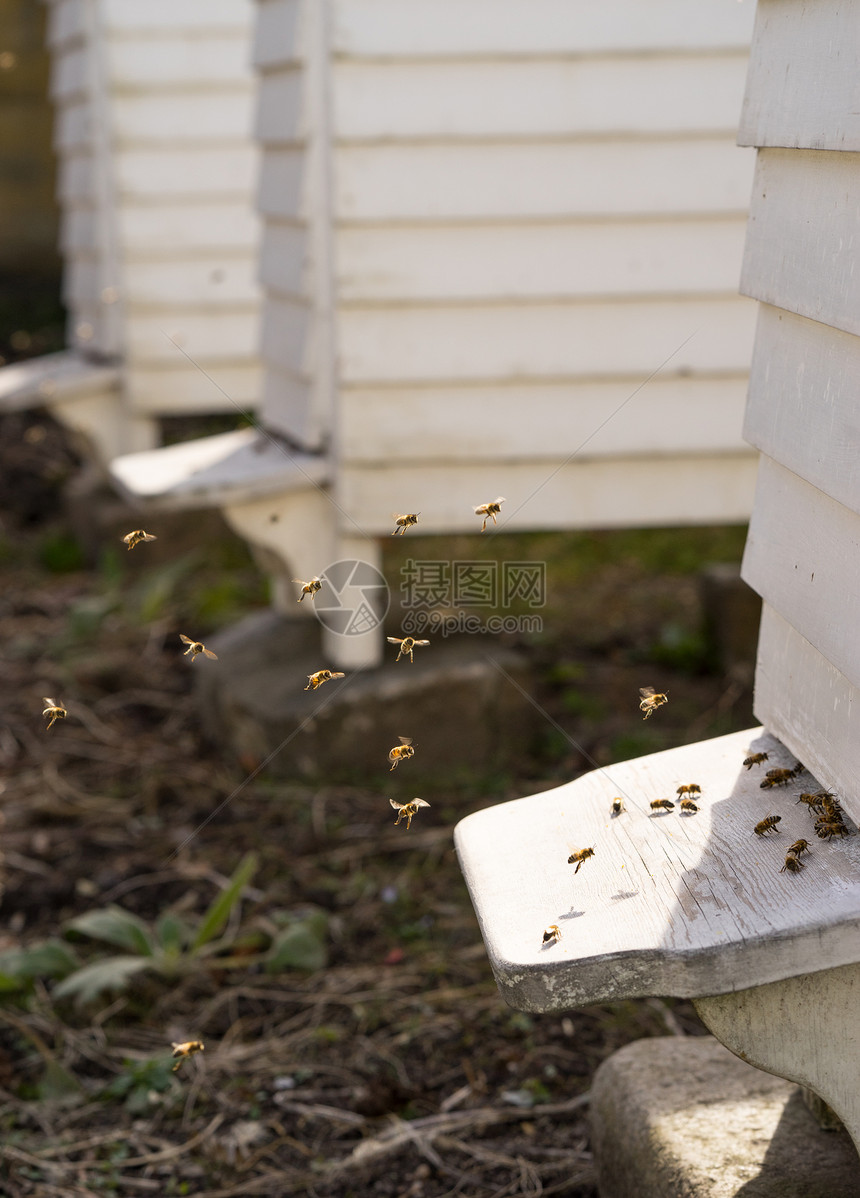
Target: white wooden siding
[[146, 384]]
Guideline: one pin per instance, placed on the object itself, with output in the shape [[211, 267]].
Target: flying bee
[[196, 647], [793, 864], [688, 805], [401, 523], [662, 805], [407, 810], [579, 856], [321, 676], [768, 824], [551, 934], [754, 759], [134, 538], [799, 846], [401, 752], [55, 710], [407, 644], [618, 806], [186, 1050], [776, 778], [829, 830], [649, 700], [691, 789], [308, 588], [488, 510]]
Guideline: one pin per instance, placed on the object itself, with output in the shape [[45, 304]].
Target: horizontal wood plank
[[554, 493], [189, 171], [211, 281], [78, 230], [159, 228], [670, 904], [506, 341], [66, 22], [802, 82], [425, 28], [76, 180], [803, 557], [445, 99], [550, 179], [74, 126], [544, 260], [277, 32], [283, 185], [184, 60], [802, 405], [285, 258], [71, 73], [811, 706], [182, 388], [281, 109], [212, 336], [668, 416], [804, 215], [287, 335], [167, 15], [222, 114]]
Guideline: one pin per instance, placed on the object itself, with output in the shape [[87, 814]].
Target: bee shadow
[[571, 914]]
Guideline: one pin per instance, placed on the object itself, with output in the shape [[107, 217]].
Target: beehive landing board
[[670, 904]]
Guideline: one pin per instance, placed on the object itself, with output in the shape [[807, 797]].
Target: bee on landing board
[[689, 806], [308, 588], [768, 824], [799, 767], [195, 648], [754, 759], [826, 830], [552, 934], [186, 1050], [649, 700], [799, 846], [813, 802], [792, 864], [617, 806], [407, 810], [401, 752], [490, 510], [662, 805], [56, 711], [134, 538], [401, 523], [321, 676], [776, 778], [690, 789], [579, 856], [407, 644]]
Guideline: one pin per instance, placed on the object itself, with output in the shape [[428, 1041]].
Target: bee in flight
[[691, 789], [768, 824], [799, 846], [662, 805], [407, 644], [195, 648], [321, 676], [401, 752], [618, 806], [793, 864], [186, 1050], [776, 778], [688, 805], [755, 759], [56, 711], [489, 510], [401, 523], [649, 700], [134, 538], [407, 810], [551, 934], [579, 856], [308, 588]]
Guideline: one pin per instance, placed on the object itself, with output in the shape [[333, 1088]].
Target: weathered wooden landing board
[[670, 904]]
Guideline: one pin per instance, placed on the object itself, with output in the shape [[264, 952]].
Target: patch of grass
[[60, 553]]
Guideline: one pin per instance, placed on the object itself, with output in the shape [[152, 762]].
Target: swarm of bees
[[134, 538], [579, 856], [488, 510], [321, 676], [407, 644], [54, 711], [195, 648], [401, 752], [407, 810], [308, 588], [649, 700], [185, 1051], [401, 523]]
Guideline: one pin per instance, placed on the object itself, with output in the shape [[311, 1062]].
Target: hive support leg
[[804, 1029], [105, 427]]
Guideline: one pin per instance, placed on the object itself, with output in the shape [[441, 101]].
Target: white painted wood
[[673, 905], [281, 102], [206, 336], [537, 97], [70, 73], [149, 228], [78, 231], [669, 416], [810, 705], [283, 185], [277, 32], [586, 258], [73, 127], [288, 406], [182, 388], [76, 181], [285, 261], [167, 15], [522, 27], [553, 493], [803, 557], [217, 279], [169, 173], [186, 59], [59, 376], [65, 22], [802, 405], [287, 335], [542, 340], [802, 82], [804, 233], [164, 118], [797, 1029], [484, 181]]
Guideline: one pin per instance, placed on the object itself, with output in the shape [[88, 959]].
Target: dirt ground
[[386, 1065]]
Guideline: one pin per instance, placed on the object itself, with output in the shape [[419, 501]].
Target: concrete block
[[681, 1117], [463, 715]]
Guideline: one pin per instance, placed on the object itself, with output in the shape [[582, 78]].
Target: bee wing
[[129, 536], [186, 640], [500, 499], [405, 740], [647, 691], [300, 581], [481, 509], [149, 536], [338, 675], [394, 640], [209, 653], [397, 806], [419, 803], [49, 702], [421, 642]]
